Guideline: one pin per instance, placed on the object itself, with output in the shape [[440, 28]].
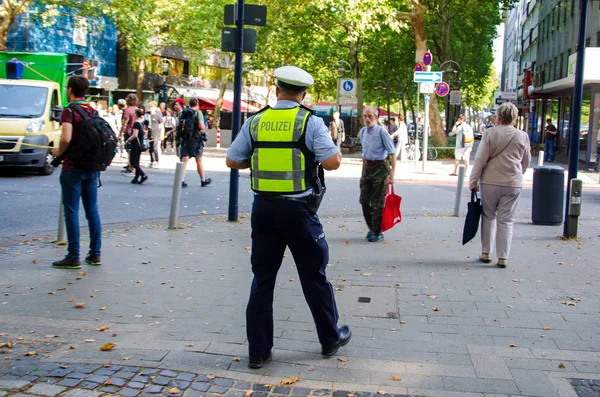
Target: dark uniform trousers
[[372, 193], [277, 223]]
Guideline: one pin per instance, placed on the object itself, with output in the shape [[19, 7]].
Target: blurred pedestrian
[[550, 134], [127, 121], [170, 123], [464, 143], [154, 132], [337, 130], [191, 139], [377, 172], [501, 160], [284, 179], [136, 140]]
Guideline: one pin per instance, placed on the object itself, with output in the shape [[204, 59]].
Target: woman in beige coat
[[501, 160]]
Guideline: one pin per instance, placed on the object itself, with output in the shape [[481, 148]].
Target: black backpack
[[188, 126], [96, 145]]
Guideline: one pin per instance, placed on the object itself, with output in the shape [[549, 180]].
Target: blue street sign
[[348, 86], [427, 77], [426, 98]]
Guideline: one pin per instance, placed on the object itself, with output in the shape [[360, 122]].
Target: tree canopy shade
[[378, 38]]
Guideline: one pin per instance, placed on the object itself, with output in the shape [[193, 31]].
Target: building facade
[[545, 54], [91, 44]]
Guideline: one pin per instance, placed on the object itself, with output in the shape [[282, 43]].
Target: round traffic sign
[[427, 58], [348, 85], [442, 89], [418, 67]]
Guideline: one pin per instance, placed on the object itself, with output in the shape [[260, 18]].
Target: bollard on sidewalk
[[62, 229], [176, 195], [218, 138], [540, 158], [459, 188]]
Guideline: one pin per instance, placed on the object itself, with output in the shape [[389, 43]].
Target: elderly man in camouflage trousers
[[377, 146]]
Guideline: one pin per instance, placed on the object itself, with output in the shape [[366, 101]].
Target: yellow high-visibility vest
[[281, 163]]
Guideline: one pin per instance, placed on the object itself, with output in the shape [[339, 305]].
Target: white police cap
[[293, 78]]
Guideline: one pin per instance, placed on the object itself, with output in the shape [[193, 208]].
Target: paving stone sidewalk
[[438, 323]]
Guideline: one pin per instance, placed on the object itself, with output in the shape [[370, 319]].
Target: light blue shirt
[[317, 139], [376, 142]]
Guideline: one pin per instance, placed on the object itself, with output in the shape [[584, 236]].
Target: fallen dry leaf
[[311, 368], [107, 347], [395, 379], [248, 393], [103, 328], [71, 300], [174, 390], [79, 305], [51, 293], [513, 345], [236, 359], [211, 376], [436, 309], [108, 382], [383, 393], [82, 273], [546, 328], [30, 354], [346, 242], [342, 359], [289, 381], [189, 345], [561, 365], [8, 345], [102, 309], [89, 340]]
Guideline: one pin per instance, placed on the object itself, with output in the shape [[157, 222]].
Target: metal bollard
[[176, 195], [459, 189], [218, 138], [540, 158], [62, 229]]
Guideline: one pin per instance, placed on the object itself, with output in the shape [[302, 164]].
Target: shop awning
[[209, 104]]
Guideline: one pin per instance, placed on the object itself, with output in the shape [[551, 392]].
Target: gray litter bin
[[547, 207]]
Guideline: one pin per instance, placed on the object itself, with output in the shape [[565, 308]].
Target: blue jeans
[[78, 184], [549, 150]]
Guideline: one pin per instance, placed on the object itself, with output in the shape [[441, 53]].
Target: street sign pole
[[237, 111], [426, 126], [337, 95], [417, 125], [570, 228]]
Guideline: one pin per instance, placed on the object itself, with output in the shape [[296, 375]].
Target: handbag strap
[[474, 196], [505, 146], [390, 189]]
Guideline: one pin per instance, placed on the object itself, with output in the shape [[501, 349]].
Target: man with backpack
[[191, 138], [464, 143], [84, 153]]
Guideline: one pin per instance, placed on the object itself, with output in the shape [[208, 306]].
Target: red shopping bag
[[391, 210]]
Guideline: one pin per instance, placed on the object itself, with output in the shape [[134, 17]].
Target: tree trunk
[[141, 71], [417, 21], [355, 63], [9, 10], [3, 33], [225, 80]]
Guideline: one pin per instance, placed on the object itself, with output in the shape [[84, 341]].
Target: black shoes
[[93, 259], [67, 263], [183, 184], [257, 362], [144, 179], [206, 182], [345, 336], [135, 181]]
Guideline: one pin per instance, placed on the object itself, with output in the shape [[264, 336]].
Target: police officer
[[282, 146]]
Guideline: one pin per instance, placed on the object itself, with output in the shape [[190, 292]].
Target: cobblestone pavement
[[586, 388], [23, 374]]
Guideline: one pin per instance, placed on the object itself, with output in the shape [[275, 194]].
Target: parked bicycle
[[413, 152]]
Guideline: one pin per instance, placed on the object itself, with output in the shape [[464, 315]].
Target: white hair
[[373, 109]]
